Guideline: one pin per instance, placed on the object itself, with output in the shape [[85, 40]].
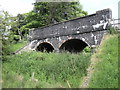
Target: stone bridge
[[71, 35]]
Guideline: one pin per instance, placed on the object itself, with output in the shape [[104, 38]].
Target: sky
[[91, 6]]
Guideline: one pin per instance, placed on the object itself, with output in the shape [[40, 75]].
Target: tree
[[5, 24], [9, 27], [53, 12], [45, 13]]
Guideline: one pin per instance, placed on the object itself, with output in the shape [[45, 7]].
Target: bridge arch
[[73, 45], [45, 46]]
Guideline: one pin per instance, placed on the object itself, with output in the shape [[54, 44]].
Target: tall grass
[[106, 71], [11, 48], [42, 70]]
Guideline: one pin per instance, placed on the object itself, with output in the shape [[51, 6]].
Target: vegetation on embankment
[[51, 70], [106, 70], [42, 70], [9, 48]]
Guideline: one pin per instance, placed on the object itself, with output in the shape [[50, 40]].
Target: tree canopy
[[43, 13]]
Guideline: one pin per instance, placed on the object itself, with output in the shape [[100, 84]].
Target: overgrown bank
[[51, 70], [41, 70], [106, 70]]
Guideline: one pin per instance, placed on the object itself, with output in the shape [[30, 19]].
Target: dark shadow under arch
[[73, 45], [45, 47]]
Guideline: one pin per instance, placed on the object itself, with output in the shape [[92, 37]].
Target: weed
[[48, 68], [106, 71]]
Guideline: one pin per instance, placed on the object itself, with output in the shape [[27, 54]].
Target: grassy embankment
[[36, 70], [11, 48], [106, 70]]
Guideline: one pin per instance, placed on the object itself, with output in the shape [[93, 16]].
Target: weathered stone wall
[[89, 29], [94, 22], [89, 38]]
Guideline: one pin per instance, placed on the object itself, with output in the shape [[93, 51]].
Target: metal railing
[[115, 23]]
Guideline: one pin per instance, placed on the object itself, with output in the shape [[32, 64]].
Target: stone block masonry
[[72, 35]]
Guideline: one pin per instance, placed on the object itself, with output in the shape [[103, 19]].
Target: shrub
[[112, 30], [87, 50]]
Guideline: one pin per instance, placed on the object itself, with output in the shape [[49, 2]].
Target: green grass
[[9, 48], [17, 46], [49, 69], [56, 70], [106, 70]]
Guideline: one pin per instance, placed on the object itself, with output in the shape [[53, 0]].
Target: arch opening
[[45, 47], [73, 45]]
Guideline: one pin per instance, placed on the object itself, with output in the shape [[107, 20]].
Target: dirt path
[[90, 69]]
